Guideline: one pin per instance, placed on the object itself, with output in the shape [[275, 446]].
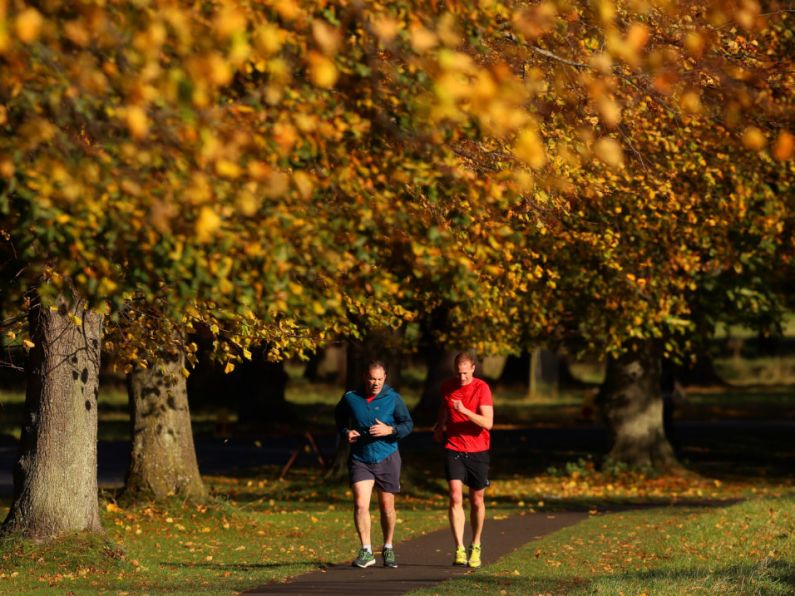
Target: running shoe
[[389, 558], [474, 556], [364, 559]]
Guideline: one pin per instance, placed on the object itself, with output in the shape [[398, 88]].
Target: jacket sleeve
[[403, 422], [342, 416]]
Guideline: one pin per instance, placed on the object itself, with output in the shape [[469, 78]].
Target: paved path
[[423, 561]]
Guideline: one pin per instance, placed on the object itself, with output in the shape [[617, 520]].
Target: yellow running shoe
[[460, 556], [474, 556]]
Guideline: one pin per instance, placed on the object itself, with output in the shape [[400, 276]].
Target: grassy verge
[[251, 532], [743, 549], [257, 529]]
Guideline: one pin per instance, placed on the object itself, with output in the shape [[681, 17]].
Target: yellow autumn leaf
[[206, 224], [385, 29], [268, 38], [229, 367], [304, 184], [326, 37], [218, 69], [28, 344], [422, 39], [322, 70], [137, 121], [229, 21], [28, 25], [784, 146], [227, 169], [690, 102], [753, 138], [637, 36], [530, 149], [609, 111], [609, 151]]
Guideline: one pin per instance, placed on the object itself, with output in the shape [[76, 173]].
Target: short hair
[[375, 364], [466, 357]]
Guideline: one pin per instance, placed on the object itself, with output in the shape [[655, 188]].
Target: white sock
[[368, 548], [388, 546]]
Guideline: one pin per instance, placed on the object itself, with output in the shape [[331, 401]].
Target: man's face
[[464, 372], [374, 380]]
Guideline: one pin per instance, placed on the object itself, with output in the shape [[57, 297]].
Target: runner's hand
[[459, 407], [353, 435], [379, 429]]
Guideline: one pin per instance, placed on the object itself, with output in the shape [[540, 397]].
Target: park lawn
[[255, 528], [252, 531], [747, 548]]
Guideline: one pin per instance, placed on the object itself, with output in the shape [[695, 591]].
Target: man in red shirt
[[465, 418]]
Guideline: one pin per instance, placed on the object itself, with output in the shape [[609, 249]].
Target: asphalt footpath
[[424, 561]]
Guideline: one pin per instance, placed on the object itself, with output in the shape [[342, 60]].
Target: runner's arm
[[483, 418], [403, 422]]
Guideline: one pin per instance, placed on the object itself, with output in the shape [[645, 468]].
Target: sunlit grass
[[743, 549], [257, 528]]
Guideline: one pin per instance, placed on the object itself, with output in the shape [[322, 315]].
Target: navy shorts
[[386, 472], [471, 468]]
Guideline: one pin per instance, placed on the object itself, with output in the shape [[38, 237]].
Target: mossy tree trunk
[[630, 403], [55, 478], [163, 457]]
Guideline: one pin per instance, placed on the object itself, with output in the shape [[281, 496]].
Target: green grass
[[254, 530], [744, 549]]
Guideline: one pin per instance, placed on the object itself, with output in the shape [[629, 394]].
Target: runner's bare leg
[[386, 502], [477, 515], [362, 491], [456, 511]]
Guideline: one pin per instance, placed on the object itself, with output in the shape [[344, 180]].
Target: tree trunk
[[55, 478], [516, 372], [163, 459], [631, 405], [440, 367]]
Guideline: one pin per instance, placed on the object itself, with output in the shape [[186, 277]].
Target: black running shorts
[[471, 468]]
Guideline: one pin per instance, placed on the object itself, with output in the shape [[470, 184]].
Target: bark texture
[[55, 478], [163, 458], [631, 405]]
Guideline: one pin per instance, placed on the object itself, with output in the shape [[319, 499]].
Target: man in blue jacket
[[372, 420]]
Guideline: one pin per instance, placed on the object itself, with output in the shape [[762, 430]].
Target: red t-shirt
[[462, 433]]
